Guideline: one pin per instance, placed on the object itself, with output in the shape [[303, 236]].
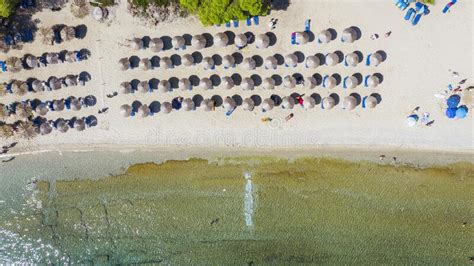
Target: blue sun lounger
[[256, 20], [324, 81], [367, 61], [416, 19], [363, 101], [4, 66], [8, 39], [293, 38], [236, 23], [410, 14], [344, 86], [402, 4], [307, 25], [227, 24], [249, 21], [366, 81]]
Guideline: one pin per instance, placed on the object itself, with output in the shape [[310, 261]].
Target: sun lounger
[[8, 39], [227, 24], [344, 86], [324, 81], [307, 25], [448, 6], [293, 38], [249, 21], [236, 23], [366, 81], [410, 14], [402, 4], [256, 20], [416, 19], [363, 102], [4, 66], [367, 61]]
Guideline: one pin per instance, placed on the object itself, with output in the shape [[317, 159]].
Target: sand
[[417, 67]]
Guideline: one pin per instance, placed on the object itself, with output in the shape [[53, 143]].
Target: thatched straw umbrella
[[80, 8], [54, 83], [310, 82], [143, 111], [75, 103], [26, 130], [349, 35], [166, 107], [198, 42], [187, 104], [31, 61], [268, 83], [249, 63], [289, 82], [41, 109], [208, 63], [229, 104], [79, 124], [302, 37], [19, 88], [350, 82], [349, 103], [240, 40], [372, 81], [207, 105], [143, 86], [52, 58], [137, 43], [184, 84], [71, 57], [312, 61], [375, 59], [178, 42], [270, 62], [126, 87], [371, 102], [71, 80], [352, 59], [187, 60], [262, 41], [61, 125], [23, 111], [4, 113], [221, 39], [228, 61], [324, 36], [67, 33], [267, 104], [125, 110], [6, 131], [291, 60], [328, 102], [45, 128], [156, 44], [145, 64], [205, 83], [309, 102], [164, 86], [166, 63], [329, 82], [247, 84], [14, 64], [47, 35], [248, 104], [287, 102], [58, 105], [124, 64], [332, 59], [227, 83]]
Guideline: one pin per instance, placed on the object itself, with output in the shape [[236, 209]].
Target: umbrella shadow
[[216, 80], [80, 31], [257, 80], [134, 61], [336, 98], [295, 95], [155, 61], [377, 96], [176, 60], [300, 56], [338, 78], [357, 96], [167, 42], [280, 4], [231, 36], [155, 107], [62, 55], [217, 100], [197, 57], [276, 99], [136, 105], [217, 59], [340, 56], [278, 79], [379, 76], [85, 53], [273, 38], [173, 82], [280, 59], [146, 42], [256, 99], [258, 60], [316, 97], [153, 83], [318, 78], [383, 54], [333, 33], [238, 100], [321, 57], [187, 39], [250, 37], [134, 83], [236, 78], [194, 80], [197, 99], [357, 31], [85, 76], [238, 57], [311, 36], [209, 39]]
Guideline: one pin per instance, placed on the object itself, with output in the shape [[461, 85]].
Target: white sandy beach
[[417, 67]]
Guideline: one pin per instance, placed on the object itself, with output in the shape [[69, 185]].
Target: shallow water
[[243, 210]]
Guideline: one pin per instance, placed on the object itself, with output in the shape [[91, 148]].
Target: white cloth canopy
[[187, 104], [164, 86], [227, 82], [166, 107], [349, 103], [324, 36], [349, 35], [249, 63], [328, 102], [329, 82], [371, 102], [229, 104], [262, 41], [291, 60], [126, 87], [228, 61], [142, 86], [268, 83], [184, 84], [205, 83], [308, 102], [187, 60], [198, 42], [270, 62], [166, 63], [352, 59], [302, 37], [289, 82], [375, 59], [310, 82], [221, 39], [156, 44], [287, 102], [373, 81], [208, 63], [137, 44], [247, 84], [207, 105], [332, 59], [248, 104], [312, 61], [240, 40], [178, 42], [143, 111], [267, 104], [351, 82], [125, 110]]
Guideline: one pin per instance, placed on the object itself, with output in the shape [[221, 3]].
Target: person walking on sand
[[299, 99]]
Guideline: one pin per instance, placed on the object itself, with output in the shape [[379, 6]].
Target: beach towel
[[410, 14], [293, 38], [256, 20], [416, 19]]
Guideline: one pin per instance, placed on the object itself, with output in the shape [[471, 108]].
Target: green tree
[[254, 7], [192, 6], [6, 8]]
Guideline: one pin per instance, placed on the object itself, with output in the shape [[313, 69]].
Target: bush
[[145, 3], [7, 7]]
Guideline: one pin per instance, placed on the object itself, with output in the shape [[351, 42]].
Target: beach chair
[[410, 13], [8, 39], [307, 25], [416, 19], [448, 6], [256, 20], [344, 86], [236, 23], [3, 65], [367, 61], [249, 21], [293, 38], [366, 81], [227, 24], [402, 4], [363, 101], [324, 81]]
